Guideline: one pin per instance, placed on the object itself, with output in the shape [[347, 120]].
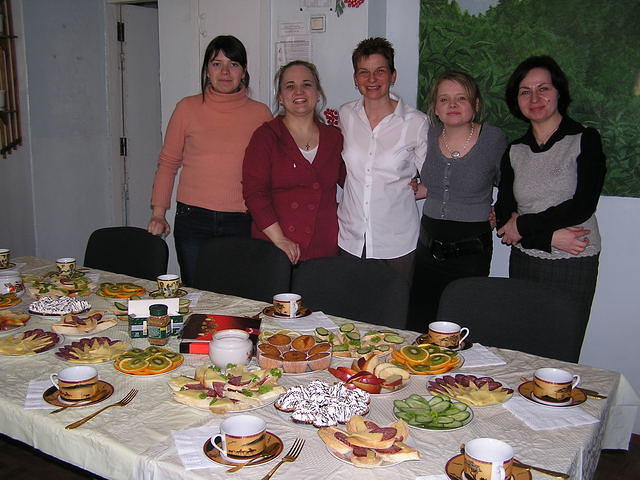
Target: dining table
[[139, 440]]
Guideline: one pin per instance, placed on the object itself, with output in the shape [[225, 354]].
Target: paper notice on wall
[[289, 29], [297, 47], [316, 3]]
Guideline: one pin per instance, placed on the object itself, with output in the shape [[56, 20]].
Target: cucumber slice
[[455, 424], [400, 404], [407, 417], [414, 403], [444, 420], [382, 348], [364, 350], [440, 407], [393, 338], [120, 306], [424, 418], [343, 347], [419, 398], [347, 327], [352, 335], [322, 332], [435, 401], [461, 406], [461, 416]]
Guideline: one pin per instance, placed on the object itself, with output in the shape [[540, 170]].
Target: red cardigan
[[280, 185]]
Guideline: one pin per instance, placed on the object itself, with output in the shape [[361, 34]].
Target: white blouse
[[378, 205]]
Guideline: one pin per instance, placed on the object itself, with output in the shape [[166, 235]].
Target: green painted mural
[[597, 44]]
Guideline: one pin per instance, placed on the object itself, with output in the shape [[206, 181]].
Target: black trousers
[[431, 276]]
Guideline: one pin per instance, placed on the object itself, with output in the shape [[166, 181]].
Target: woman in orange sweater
[[207, 136]]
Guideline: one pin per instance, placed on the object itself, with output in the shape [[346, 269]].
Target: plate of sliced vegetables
[[426, 359], [120, 290], [433, 413], [348, 341]]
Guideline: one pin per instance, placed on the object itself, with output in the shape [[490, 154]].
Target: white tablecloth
[[136, 442]]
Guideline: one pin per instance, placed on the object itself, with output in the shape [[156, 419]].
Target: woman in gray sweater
[[458, 176]]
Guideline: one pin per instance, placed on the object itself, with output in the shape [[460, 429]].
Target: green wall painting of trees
[[596, 42]]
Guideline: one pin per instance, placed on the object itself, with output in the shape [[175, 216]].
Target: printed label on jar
[[157, 332]]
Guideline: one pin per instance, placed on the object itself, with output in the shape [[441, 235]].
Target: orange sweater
[[208, 141]]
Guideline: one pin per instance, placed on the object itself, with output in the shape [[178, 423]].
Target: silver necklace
[[456, 153]]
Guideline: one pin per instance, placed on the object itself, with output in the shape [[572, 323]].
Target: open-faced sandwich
[[10, 320], [93, 322], [368, 445], [237, 388]]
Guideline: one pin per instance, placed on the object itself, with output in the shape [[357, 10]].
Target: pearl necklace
[[456, 153]]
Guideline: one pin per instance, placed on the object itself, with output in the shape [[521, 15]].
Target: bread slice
[[402, 430], [176, 383], [404, 453], [193, 398], [328, 436], [356, 424], [221, 405], [372, 460], [370, 440]]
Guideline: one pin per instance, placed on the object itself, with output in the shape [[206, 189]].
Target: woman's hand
[[288, 246], [570, 240], [492, 218], [509, 232], [158, 224], [419, 190]]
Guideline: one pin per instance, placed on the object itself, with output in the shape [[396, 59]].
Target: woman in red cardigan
[[291, 168]]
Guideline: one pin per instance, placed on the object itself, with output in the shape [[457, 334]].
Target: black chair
[[352, 288], [516, 314], [244, 267], [128, 250]]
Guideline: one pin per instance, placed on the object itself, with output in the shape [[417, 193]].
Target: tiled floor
[[19, 462]]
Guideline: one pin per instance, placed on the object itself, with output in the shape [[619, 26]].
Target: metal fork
[[291, 456], [121, 403]]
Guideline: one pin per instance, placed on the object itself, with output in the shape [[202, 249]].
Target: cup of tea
[[241, 437], [5, 255], [447, 334], [168, 284], [487, 458], [287, 304], [66, 265], [76, 383], [554, 384]]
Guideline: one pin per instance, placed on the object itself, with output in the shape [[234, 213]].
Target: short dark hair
[[277, 83], [558, 78], [470, 87], [371, 46], [232, 48]]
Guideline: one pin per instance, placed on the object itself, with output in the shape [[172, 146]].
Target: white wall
[[59, 179]]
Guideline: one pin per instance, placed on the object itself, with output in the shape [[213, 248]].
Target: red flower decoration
[[353, 3], [332, 117]]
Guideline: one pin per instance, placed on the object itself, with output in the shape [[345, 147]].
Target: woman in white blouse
[[385, 142]]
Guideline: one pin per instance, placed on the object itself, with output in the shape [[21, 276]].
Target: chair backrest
[[244, 267], [352, 288], [128, 250], [516, 314]]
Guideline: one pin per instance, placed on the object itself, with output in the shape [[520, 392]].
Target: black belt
[[441, 251]]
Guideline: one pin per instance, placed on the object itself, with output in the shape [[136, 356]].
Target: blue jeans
[[194, 226]]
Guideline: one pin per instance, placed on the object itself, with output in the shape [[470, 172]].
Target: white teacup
[[554, 385], [241, 437], [168, 284], [487, 458], [447, 334], [66, 265], [287, 304], [76, 383], [5, 255]]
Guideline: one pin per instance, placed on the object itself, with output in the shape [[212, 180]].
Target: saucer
[[269, 312], [215, 455], [578, 397], [11, 265], [464, 345], [158, 294], [52, 396], [455, 467]]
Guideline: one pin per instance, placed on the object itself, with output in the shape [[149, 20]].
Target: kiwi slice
[[152, 350], [132, 364], [173, 356], [414, 353], [136, 351], [158, 362]]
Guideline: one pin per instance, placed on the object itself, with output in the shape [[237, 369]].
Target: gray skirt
[[574, 277]]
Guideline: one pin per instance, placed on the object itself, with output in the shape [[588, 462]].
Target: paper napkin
[[316, 319], [480, 356], [33, 400], [189, 445], [540, 417]]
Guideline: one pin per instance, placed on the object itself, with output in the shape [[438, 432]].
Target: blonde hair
[[277, 83], [470, 87]]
